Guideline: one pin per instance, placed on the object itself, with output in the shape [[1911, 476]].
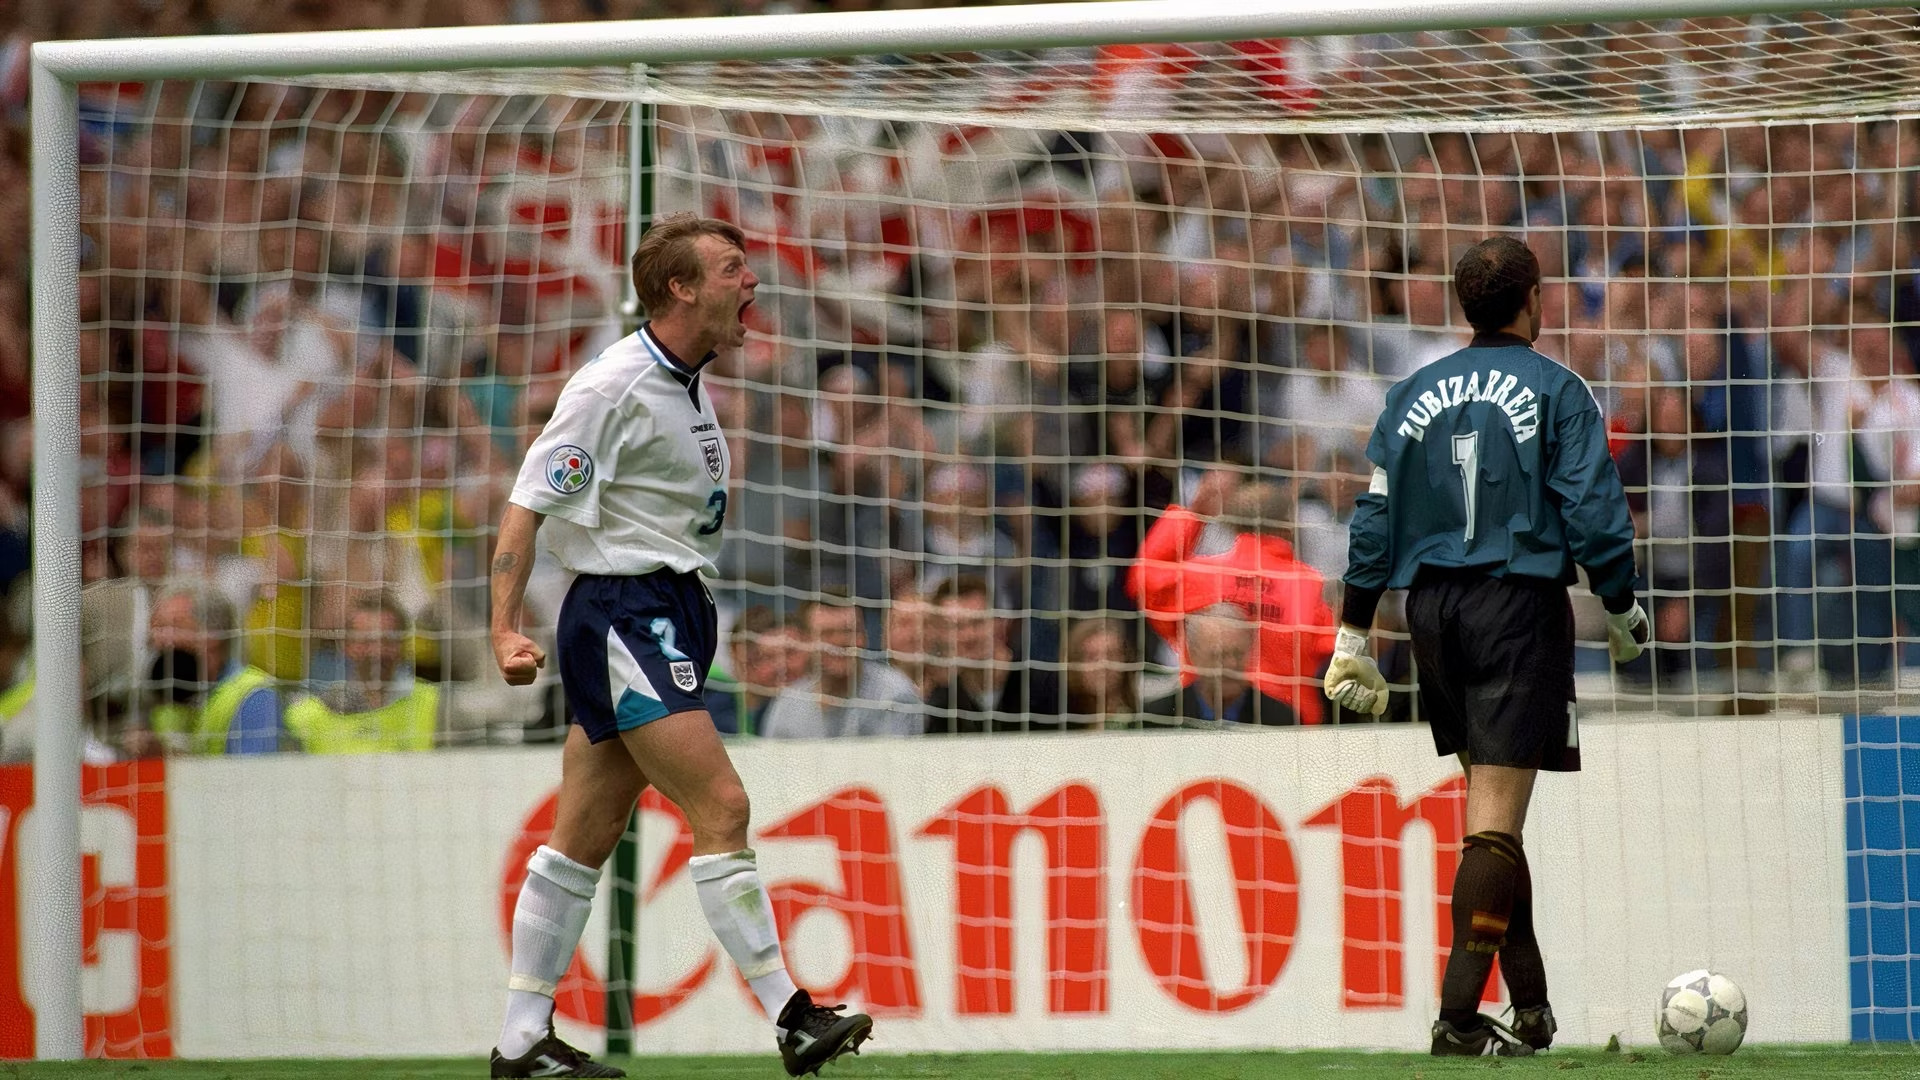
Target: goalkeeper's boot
[[816, 1034], [551, 1057], [1489, 1038], [1535, 1026]]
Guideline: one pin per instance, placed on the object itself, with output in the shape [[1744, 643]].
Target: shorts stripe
[[635, 699]]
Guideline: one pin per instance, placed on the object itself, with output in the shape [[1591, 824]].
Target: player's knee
[[605, 835], [725, 812]]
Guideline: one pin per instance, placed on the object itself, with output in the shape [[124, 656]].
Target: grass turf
[[1832, 1062]]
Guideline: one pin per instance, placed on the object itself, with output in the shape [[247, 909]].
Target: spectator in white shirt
[[843, 692]]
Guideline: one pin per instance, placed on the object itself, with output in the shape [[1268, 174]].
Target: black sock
[[1483, 891], [1520, 961]]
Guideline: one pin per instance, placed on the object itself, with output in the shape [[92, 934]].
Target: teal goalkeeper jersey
[[1492, 458]]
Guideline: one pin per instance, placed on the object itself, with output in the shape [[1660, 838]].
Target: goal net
[[1060, 377]]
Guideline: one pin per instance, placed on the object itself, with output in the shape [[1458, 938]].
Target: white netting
[[321, 325], [1851, 64]]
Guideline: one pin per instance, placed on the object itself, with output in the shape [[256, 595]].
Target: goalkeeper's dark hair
[[1493, 280], [669, 252]]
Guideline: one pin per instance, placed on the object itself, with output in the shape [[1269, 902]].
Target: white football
[[1702, 1012]]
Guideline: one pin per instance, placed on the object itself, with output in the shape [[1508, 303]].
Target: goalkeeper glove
[[1353, 680], [1628, 634]]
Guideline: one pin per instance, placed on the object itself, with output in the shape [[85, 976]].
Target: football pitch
[[1780, 1061]]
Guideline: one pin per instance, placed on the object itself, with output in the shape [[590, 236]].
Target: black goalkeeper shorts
[[1496, 669]]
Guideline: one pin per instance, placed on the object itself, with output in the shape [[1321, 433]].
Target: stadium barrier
[[1196, 890]]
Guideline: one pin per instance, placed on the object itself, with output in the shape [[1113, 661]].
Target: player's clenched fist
[[519, 658], [1353, 680]]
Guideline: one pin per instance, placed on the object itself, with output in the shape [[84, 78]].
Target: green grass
[[1834, 1062]]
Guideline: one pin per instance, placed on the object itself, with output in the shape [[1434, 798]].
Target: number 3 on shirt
[[1466, 454], [717, 502]]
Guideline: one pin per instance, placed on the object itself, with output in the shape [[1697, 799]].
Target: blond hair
[[670, 252]]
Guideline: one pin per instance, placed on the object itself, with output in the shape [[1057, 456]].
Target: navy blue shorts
[[635, 649]]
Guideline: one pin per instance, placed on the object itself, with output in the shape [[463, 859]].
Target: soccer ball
[[1702, 1012]]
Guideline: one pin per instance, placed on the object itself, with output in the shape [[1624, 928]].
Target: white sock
[[547, 921], [742, 918]]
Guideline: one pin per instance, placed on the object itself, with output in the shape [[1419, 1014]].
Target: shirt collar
[[684, 371], [1498, 339]]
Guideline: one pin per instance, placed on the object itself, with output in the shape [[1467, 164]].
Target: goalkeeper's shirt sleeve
[[1369, 551], [1593, 504]]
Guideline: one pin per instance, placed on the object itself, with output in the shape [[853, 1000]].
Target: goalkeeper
[[1491, 481]]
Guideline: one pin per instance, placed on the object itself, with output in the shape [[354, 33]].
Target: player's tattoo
[[505, 562]]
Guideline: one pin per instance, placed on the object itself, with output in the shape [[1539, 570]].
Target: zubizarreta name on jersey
[[1522, 408]]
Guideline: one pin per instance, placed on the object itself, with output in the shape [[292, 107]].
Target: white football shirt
[[632, 467]]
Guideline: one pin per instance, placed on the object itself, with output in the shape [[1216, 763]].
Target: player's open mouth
[[743, 310]]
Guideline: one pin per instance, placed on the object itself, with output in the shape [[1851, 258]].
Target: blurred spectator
[[1886, 461], [1103, 539], [1203, 414], [757, 647], [843, 692], [1677, 488], [273, 529], [961, 535], [16, 672], [975, 685], [905, 636], [1833, 568], [779, 544], [16, 461], [268, 376], [1220, 642], [19, 717], [1333, 407], [199, 696], [1326, 510], [1258, 572], [1132, 374], [880, 442], [1103, 677], [378, 705]]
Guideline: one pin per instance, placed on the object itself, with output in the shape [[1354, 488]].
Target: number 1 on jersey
[[1466, 454]]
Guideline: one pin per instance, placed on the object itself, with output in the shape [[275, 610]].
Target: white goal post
[[53, 932]]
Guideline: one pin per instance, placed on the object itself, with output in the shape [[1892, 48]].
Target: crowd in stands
[[1035, 430]]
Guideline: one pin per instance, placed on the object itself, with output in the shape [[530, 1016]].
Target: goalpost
[[1052, 263]]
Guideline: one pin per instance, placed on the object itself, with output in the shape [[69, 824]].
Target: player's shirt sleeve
[[1369, 541], [1369, 550], [1599, 528], [569, 465]]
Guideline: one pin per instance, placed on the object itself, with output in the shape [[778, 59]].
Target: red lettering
[[1265, 880], [1371, 820], [582, 995], [881, 973], [16, 1016], [137, 908], [983, 829]]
